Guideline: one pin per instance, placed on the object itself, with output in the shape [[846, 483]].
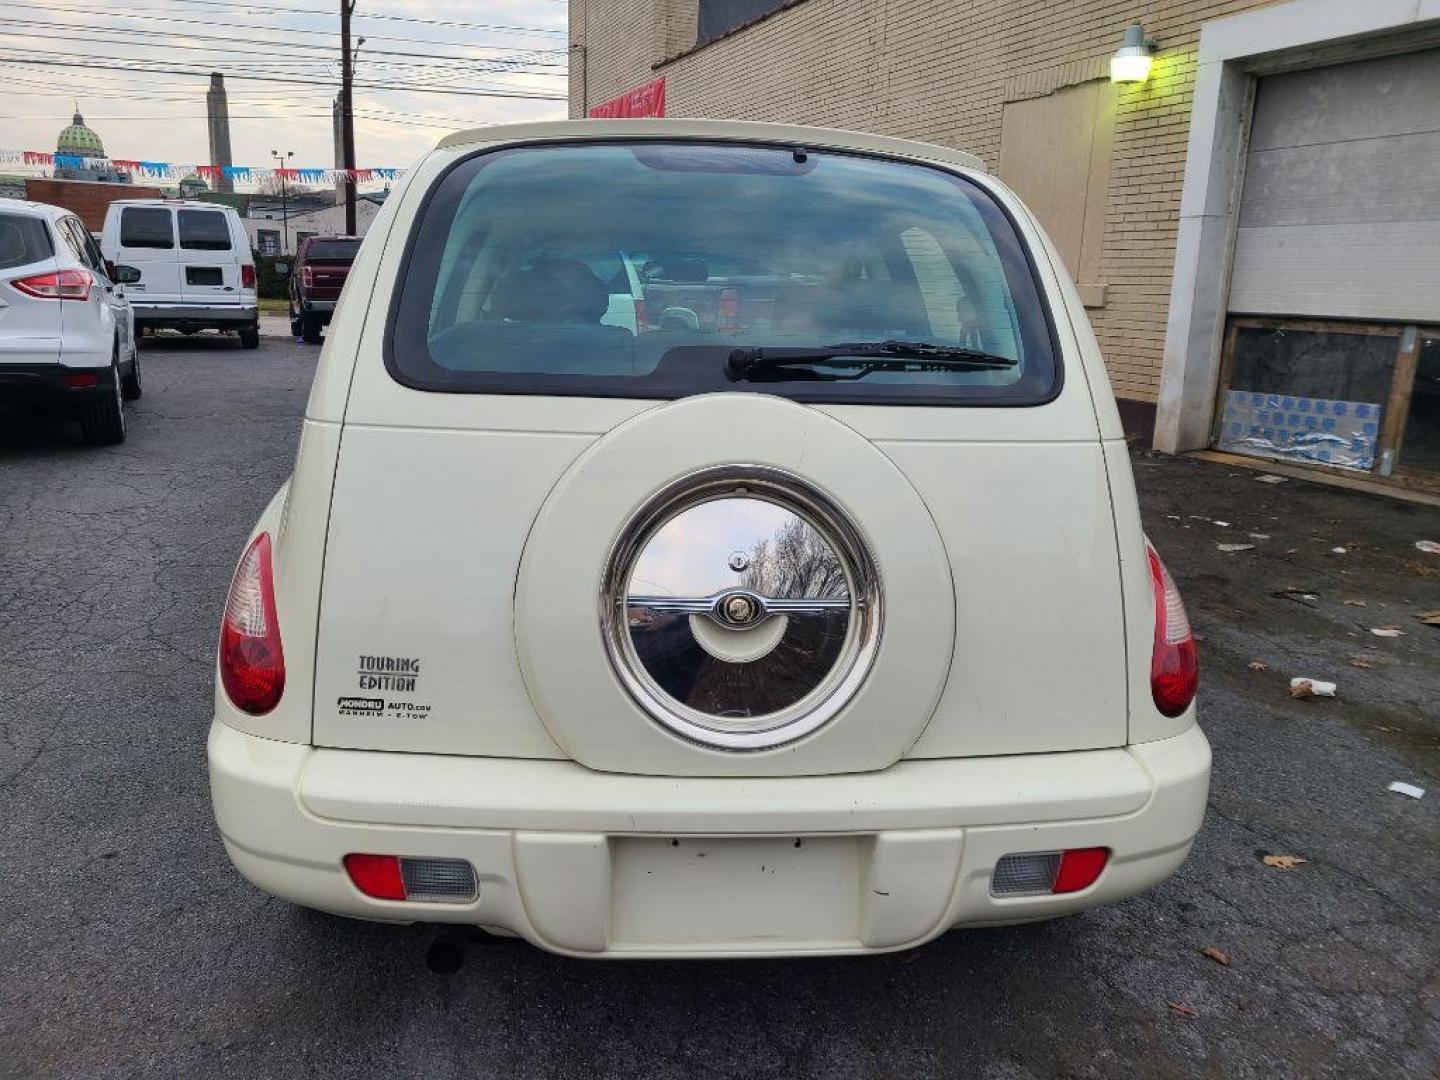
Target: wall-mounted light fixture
[[1131, 62]]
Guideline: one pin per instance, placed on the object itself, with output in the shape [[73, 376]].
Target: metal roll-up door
[[1340, 210]]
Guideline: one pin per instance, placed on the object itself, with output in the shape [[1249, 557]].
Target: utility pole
[[281, 164], [347, 112]]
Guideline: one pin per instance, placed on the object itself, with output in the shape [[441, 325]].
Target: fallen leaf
[[1284, 862], [1184, 1010], [1258, 665], [1429, 618], [1220, 957], [1302, 688], [1361, 662], [1354, 603]]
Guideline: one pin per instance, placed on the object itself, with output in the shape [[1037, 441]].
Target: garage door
[[1340, 216], [1332, 354]]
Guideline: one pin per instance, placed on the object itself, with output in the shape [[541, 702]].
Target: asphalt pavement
[[129, 947]]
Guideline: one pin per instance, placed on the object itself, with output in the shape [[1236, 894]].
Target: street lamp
[[284, 199], [1131, 62]]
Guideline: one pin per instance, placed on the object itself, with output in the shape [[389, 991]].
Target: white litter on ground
[[1339, 551], [1430, 547], [1271, 478], [1259, 536], [1313, 687], [1387, 631], [1406, 789], [1234, 547]]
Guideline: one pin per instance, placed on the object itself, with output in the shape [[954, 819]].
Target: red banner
[[645, 100]]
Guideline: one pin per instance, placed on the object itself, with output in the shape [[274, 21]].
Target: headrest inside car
[[551, 291]]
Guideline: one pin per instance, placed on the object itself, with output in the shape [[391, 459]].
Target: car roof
[[178, 204], [729, 130], [33, 209]]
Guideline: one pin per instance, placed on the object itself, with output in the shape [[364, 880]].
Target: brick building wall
[[942, 71], [85, 200]]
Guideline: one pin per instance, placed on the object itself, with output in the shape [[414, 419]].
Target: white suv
[[67, 336], [822, 623]]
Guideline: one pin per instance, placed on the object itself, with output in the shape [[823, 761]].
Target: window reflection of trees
[[795, 562]]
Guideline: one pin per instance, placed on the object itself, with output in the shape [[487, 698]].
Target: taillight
[[307, 277], [57, 285], [81, 380], [247, 276], [1038, 873], [1174, 660], [727, 314], [252, 663], [432, 880]]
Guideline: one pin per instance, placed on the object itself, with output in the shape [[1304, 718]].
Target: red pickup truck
[[321, 266]]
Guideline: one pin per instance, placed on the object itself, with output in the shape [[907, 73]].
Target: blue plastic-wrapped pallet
[[1319, 430]]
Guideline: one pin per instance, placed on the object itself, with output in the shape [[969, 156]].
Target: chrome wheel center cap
[[737, 548]]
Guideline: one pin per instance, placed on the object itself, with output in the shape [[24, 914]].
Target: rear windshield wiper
[[859, 358]]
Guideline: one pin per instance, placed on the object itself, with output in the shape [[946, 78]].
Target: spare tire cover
[[663, 627]]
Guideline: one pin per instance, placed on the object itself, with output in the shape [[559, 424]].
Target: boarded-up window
[[1055, 152], [720, 17]]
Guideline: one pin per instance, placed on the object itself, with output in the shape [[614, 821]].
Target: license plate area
[[768, 891]]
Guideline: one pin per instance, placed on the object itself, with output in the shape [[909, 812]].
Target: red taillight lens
[[727, 313], [1174, 661], [252, 663], [81, 380], [376, 875], [1079, 867], [247, 276], [307, 277], [57, 285]]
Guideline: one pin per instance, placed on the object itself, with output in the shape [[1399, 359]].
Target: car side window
[[93, 258], [147, 227], [70, 233]]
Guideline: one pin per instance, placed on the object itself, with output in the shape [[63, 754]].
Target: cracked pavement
[[129, 947]]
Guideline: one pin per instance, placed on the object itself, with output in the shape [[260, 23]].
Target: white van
[[196, 271], [823, 625]]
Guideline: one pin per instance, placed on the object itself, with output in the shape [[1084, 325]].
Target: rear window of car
[[203, 230], [146, 227], [332, 251], [511, 276], [23, 240]]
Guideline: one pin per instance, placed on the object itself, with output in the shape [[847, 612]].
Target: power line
[[268, 10], [70, 28], [266, 60], [290, 80], [115, 14]]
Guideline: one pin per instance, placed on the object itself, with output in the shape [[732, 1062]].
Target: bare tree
[[795, 562]]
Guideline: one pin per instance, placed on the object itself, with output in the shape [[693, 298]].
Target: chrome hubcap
[[741, 608]]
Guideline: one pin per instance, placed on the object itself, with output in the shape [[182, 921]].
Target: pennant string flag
[[167, 170]]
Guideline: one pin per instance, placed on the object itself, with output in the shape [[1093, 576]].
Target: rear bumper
[[43, 385], [599, 864], [318, 307], [221, 315]]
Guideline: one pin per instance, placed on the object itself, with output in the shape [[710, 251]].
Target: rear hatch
[[209, 263], [325, 267], [29, 325], [533, 506]]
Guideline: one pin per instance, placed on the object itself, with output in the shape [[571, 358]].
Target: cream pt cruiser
[[706, 539]]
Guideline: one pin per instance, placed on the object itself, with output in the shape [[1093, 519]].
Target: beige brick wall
[[941, 70]]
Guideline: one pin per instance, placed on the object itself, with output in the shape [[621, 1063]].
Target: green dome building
[[79, 140]]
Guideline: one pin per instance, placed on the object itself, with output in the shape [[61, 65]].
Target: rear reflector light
[[247, 276], [252, 663], [307, 277], [81, 380], [434, 881], [1041, 873], [1174, 660], [57, 285]]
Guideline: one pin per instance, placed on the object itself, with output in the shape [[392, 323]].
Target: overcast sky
[[505, 45]]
